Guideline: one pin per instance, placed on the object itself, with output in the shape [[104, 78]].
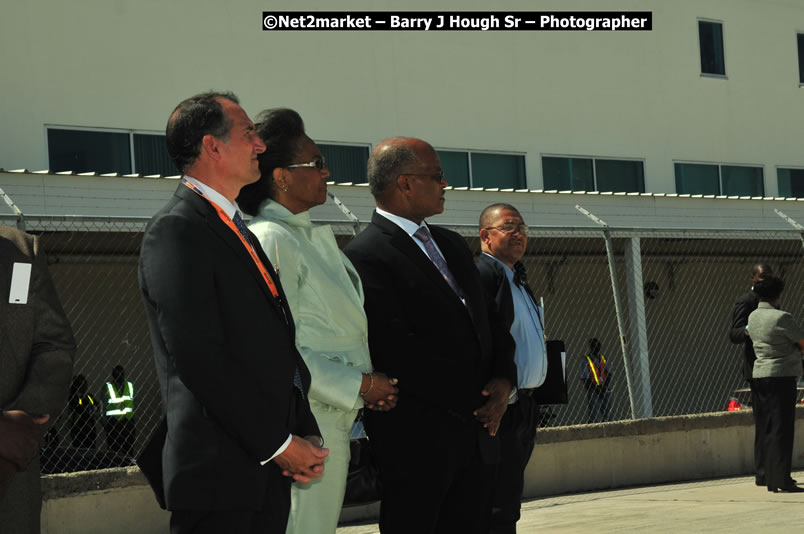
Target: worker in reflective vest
[[120, 421], [596, 377]]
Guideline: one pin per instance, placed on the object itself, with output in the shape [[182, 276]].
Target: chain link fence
[[677, 290]]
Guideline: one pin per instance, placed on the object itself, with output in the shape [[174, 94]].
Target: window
[[346, 163], [800, 38], [108, 151], [713, 179], [697, 179], [710, 39], [151, 155], [791, 182], [87, 151], [456, 167], [619, 175], [593, 174], [483, 169]]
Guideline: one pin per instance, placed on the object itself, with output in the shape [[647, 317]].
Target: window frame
[[469, 151], [129, 132], [719, 166], [702, 74], [594, 170], [800, 61]]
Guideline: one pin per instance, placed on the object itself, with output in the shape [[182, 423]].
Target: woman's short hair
[[282, 130], [769, 287]]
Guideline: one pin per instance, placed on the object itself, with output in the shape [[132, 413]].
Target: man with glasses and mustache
[[503, 238], [428, 327]]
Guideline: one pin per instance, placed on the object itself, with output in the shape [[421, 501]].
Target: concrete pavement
[[733, 505]]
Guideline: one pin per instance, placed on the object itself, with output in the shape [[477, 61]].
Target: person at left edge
[[233, 386], [36, 362]]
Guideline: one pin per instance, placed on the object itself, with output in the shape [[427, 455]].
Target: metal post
[[15, 209], [792, 223], [638, 330], [617, 304], [346, 211]]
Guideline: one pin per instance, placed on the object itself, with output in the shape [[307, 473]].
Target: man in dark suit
[[503, 239], [428, 326], [36, 365], [743, 307], [233, 385]]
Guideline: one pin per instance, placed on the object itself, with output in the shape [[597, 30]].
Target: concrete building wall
[[623, 95]]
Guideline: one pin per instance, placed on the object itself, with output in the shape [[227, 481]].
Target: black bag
[[363, 480]]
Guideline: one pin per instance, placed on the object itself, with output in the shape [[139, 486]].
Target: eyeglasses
[[510, 228], [438, 176], [318, 163]]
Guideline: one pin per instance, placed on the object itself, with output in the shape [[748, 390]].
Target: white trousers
[[316, 507]]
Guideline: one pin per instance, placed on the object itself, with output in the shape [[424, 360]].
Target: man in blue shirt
[[504, 237]]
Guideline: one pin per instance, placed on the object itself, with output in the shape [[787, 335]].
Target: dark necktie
[[241, 226], [423, 235], [520, 275]]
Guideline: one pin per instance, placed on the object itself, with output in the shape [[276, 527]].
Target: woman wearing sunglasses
[[325, 296]]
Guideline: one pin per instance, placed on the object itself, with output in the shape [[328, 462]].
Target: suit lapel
[[456, 267], [400, 240], [228, 236]]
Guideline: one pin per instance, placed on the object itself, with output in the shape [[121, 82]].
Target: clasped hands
[[381, 392], [303, 460], [497, 390], [21, 437]]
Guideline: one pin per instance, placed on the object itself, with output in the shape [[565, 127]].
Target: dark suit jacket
[[742, 309], [225, 356], [496, 290], [36, 363], [442, 352]]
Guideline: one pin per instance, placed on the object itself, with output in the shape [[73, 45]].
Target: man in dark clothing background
[[743, 307]]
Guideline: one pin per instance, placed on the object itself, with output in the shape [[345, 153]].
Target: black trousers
[[435, 486], [517, 438], [120, 435], [775, 417], [272, 518], [227, 521], [759, 439]]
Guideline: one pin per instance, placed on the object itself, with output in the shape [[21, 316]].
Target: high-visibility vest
[[89, 398], [598, 374], [120, 404]]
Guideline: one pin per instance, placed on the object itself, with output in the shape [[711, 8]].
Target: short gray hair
[[386, 162]]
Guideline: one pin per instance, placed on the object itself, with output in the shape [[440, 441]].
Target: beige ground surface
[[733, 505]]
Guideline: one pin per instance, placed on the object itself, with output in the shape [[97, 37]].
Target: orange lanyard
[[228, 222]]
